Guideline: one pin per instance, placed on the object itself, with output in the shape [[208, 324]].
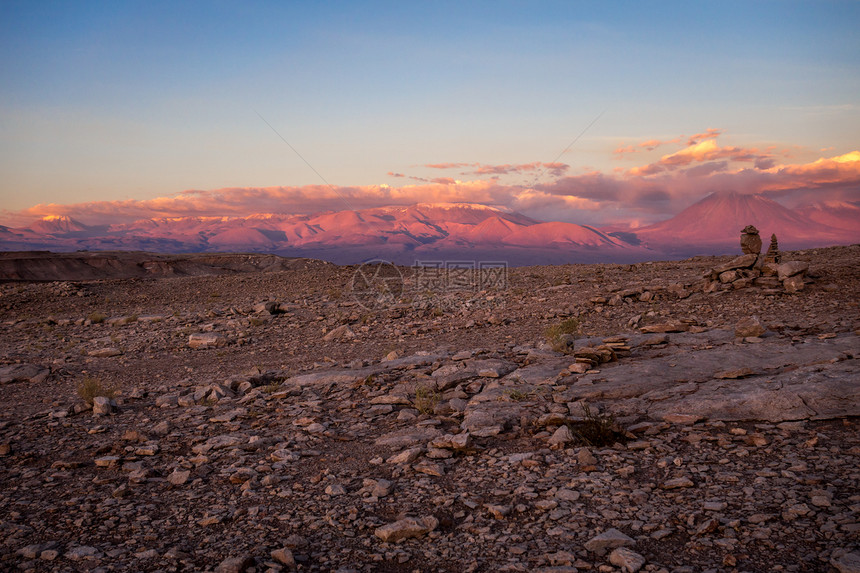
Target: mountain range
[[455, 231]]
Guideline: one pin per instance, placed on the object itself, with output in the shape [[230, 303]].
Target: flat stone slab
[[23, 373], [813, 379], [408, 437], [336, 376]]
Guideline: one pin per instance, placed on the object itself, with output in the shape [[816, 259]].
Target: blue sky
[[112, 101]]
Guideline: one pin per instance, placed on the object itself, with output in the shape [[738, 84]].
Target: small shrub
[[90, 388], [270, 388], [517, 395], [96, 317], [426, 399], [597, 430], [560, 336]]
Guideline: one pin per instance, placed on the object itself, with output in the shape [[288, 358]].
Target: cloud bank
[[651, 191]]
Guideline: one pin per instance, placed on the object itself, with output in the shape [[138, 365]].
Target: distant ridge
[[435, 231], [837, 214]]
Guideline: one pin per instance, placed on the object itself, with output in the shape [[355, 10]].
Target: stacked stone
[[752, 269], [772, 255], [750, 241]]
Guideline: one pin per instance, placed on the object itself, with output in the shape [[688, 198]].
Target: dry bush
[[96, 317], [90, 388], [426, 399], [597, 430], [560, 336]]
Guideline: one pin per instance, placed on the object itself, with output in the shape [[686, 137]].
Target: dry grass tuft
[[561, 336], [426, 399], [90, 388], [96, 317]]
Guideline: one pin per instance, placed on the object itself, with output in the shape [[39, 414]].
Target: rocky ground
[[313, 419]]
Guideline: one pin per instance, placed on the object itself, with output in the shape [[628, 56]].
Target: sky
[[598, 113]]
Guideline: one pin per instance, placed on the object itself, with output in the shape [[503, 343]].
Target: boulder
[[728, 276], [609, 539], [791, 268], [268, 307], [461, 441], [406, 528], [101, 406], [742, 262], [770, 269], [627, 559], [235, 565], [342, 332], [207, 340], [847, 562], [749, 327], [794, 284]]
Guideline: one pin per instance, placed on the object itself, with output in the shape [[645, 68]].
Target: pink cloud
[[657, 189], [709, 133], [707, 168], [555, 168], [645, 170], [705, 151], [648, 145], [647, 192], [243, 201], [448, 165], [622, 150]]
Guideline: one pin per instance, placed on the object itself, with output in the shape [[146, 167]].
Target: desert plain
[[253, 413]]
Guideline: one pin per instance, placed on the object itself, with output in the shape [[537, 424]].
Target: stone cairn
[[772, 255], [750, 241], [753, 269]]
